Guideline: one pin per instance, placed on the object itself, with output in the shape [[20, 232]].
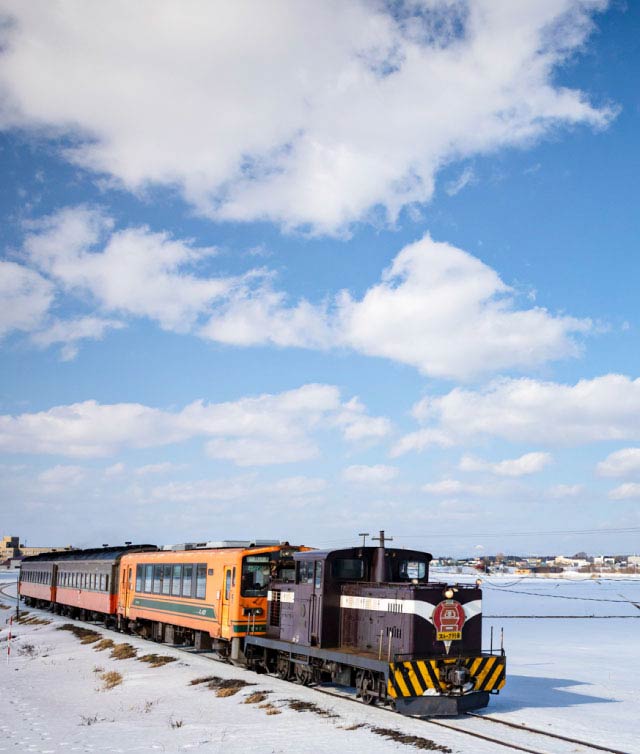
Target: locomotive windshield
[[413, 569]]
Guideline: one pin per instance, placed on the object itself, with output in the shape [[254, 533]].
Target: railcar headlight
[[478, 583], [448, 593]]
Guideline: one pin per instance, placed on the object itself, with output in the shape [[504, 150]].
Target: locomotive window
[[256, 572], [148, 577], [349, 569], [139, 577], [187, 578], [413, 569], [201, 580], [177, 579], [166, 579], [305, 572]]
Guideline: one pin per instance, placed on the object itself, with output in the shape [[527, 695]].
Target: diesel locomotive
[[370, 617], [363, 617]]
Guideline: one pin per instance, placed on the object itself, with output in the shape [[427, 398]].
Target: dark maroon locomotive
[[369, 617]]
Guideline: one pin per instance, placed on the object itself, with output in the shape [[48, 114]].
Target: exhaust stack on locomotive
[[369, 617]]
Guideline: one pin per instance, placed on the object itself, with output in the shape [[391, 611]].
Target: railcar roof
[[95, 553]]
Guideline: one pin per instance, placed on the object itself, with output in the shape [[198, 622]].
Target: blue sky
[[301, 271]]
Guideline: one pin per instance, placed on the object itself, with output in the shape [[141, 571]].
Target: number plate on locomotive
[[449, 635]]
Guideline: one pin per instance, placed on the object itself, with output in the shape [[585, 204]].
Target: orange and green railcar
[[211, 598]]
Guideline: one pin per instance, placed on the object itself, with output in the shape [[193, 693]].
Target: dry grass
[[415, 741], [204, 679], [111, 679], [86, 635], [104, 644], [257, 696], [123, 652], [222, 686], [33, 621], [300, 706], [270, 709], [157, 661], [3, 606]]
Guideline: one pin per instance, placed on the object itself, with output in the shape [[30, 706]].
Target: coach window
[[201, 580], [166, 579], [187, 578], [318, 577], [106, 583], [148, 577], [139, 577], [177, 580], [157, 579]]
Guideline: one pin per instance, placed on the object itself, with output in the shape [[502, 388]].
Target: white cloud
[[25, 298], [271, 429], [378, 474], [530, 411], [60, 477], [240, 488], [566, 490], [530, 463], [116, 469], [627, 491], [159, 468], [465, 178], [71, 331], [324, 112], [135, 272], [437, 308], [625, 462], [450, 487]]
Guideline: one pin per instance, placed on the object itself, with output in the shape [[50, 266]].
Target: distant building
[[11, 549]]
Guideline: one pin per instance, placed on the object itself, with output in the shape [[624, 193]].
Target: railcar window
[[139, 577], [166, 579], [256, 572], [413, 569], [177, 580], [348, 569], [201, 580], [227, 584], [157, 579], [148, 577], [187, 578]]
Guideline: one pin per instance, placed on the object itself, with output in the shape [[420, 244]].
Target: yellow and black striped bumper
[[413, 678]]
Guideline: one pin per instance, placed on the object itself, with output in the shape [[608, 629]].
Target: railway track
[[472, 724], [523, 738]]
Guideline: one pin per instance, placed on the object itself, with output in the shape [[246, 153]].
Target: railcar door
[[227, 598]]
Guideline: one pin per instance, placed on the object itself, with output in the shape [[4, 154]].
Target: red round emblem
[[448, 616]]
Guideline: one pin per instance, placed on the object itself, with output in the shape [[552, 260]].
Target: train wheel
[[303, 675], [283, 668], [365, 684]]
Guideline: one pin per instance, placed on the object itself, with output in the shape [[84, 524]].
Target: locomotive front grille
[[417, 677]]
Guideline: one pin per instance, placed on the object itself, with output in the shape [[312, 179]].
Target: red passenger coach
[[78, 583]]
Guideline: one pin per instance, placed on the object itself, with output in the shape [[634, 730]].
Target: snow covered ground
[[577, 676]]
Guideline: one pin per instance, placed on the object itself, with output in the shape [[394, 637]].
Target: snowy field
[[573, 672]]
